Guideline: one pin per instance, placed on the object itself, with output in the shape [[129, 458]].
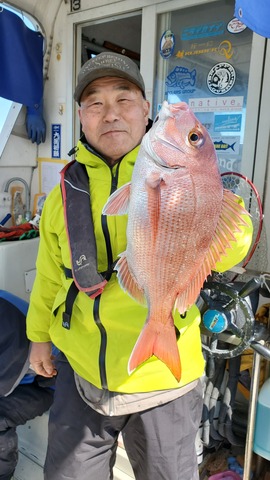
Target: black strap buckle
[[71, 296]]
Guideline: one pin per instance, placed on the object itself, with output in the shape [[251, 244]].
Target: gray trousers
[[160, 442]]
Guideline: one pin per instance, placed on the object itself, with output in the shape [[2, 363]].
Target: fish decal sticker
[[181, 77], [223, 146]]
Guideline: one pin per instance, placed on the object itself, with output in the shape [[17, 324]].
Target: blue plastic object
[[215, 321], [261, 444]]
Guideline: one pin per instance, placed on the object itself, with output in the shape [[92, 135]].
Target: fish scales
[[177, 209]]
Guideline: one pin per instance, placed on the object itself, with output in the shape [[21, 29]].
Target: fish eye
[[196, 138]]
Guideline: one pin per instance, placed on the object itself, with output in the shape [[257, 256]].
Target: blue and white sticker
[[203, 31], [221, 78], [228, 123], [56, 140], [167, 43]]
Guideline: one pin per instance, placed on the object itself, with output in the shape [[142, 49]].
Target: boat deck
[[33, 441]]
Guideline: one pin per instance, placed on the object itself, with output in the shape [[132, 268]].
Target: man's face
[[114, 115]]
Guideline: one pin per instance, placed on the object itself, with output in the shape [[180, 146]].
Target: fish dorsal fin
[[127, 280], [229, 223], [118, 202], [187, 298]]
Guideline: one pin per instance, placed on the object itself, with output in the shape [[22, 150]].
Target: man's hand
[[41, 359]]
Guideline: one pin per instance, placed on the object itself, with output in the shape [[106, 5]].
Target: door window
[[203, 59]]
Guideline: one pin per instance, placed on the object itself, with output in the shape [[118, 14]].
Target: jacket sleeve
[[239, 248], [49, 269]]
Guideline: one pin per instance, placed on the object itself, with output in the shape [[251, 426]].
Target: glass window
[[203, 59]]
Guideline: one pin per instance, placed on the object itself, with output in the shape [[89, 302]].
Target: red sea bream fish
[[180, 221]]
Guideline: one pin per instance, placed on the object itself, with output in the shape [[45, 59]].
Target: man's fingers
[[40, 359], [45, 369]]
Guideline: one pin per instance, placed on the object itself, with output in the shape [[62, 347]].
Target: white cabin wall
[[56, 86], [56, 83], [20, 156]]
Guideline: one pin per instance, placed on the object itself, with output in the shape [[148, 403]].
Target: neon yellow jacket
[[104, 331]]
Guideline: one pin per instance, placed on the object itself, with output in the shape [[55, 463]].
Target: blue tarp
[[21, 61], [255, 14]]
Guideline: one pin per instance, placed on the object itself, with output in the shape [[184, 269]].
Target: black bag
[[14, 344]]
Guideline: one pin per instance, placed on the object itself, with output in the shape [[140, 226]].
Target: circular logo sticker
[[167, 42], [236, 26], [221, 78]]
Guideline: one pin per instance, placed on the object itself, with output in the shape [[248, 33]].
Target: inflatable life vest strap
[[81, 237], [73, 292]]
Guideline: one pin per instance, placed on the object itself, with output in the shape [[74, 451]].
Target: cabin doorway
[[120, 34], [117, 33]]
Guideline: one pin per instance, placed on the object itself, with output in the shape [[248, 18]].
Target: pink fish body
[[180, 221]]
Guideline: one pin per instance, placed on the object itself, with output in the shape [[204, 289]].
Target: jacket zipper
[[103, 333]]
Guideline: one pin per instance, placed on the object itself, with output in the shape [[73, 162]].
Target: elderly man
[[78, 304]]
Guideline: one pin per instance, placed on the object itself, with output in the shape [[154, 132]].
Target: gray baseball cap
[[108, 64]]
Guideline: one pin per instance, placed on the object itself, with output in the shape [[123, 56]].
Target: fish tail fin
[[161, 343]]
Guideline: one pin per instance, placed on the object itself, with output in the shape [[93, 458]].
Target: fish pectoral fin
[[118, 202], [127, 281], [153, 184], [159, 342]]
